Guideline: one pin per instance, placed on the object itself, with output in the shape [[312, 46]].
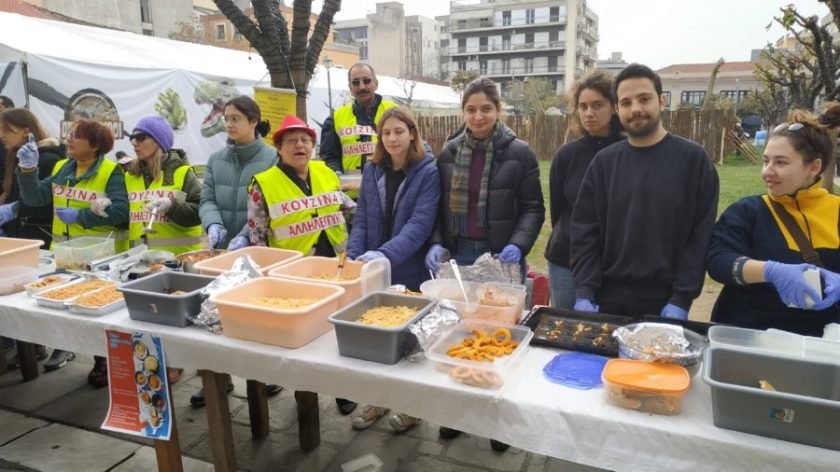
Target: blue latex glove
[[216, 233], [510, 254], [238, 242], [831, 290], [673, 311], [8, 212], [790, 282], [28, 154], [67, 215], [434, 257], [583, 304], [370, 256]]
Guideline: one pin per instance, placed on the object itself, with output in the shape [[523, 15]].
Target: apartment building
[[514, 40], [613, 65], [150, 17]]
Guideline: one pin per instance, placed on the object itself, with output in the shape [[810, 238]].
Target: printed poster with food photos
[[140, 403]]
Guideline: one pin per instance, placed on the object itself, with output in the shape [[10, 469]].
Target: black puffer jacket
[[515, 208]]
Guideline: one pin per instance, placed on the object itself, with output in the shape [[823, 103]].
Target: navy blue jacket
[[415, 210]]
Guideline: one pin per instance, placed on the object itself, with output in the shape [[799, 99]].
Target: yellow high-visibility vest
[[169, 236], [79, 197], [350, 132], [296, 220]]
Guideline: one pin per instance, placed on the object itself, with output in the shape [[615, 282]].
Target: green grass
[[738, 178]]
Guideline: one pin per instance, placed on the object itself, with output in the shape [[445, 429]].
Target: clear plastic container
[[483, 374], [651, 387], [19, 252], [490, 301], [286, 327], [357, 278], [76, 253], [14, 278], [265, 257], [774, 341]]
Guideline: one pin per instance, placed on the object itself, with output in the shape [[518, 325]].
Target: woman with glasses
[[223, 208], [162, 183], [88, 194], [762, 246], [224, 195], [490, 195]]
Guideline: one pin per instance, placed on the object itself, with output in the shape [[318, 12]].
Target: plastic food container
[[19, 252], [691, 360], [189, 259], [285, 327], [81, 285], [266, 257], [74, 306], [47, 282], [483, 299], [357, 278], [14, 278], [651, 387], [375, 343], [773, 341], [483, 374], [156, 298], [76, 253], [804, 408]]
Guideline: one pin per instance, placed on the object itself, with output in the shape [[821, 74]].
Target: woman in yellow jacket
[[161, 182]]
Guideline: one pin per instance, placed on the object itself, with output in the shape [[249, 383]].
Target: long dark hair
[[248, 107], [601, 82], [813, 140]]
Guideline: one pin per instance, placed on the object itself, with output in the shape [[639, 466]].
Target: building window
[[485, 22], [553, 38], [667, 96], [554, 14], [221, 34], [529, 65], [529, 16], [552, 63], [505, 43], [462, 65], [506, 18], [145, 11], [693, 97], [529, 39], [505, 66], [363, 53], [444, 43], [482, 43], [482, 67], [737, 95], [462, 45], [462, 24]]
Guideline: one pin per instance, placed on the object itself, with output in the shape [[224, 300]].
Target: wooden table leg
[[309, 424], [28, 362], [218, 420], [258, 409], [169, 452]]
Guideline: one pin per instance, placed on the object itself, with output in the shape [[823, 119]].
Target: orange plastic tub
[[645, 386], [266, 257], [285, 327], [19, 252], [353, 281]]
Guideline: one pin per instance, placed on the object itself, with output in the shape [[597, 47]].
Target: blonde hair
[[814, 140], [153, 165]]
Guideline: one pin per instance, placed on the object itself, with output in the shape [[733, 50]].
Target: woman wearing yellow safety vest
[[161, 182], [297, 203], [87, 192]]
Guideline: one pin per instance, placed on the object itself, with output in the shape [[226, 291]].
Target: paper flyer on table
[[137, 386]]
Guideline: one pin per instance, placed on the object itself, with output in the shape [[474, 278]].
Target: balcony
[[487, 24], [504, 48], [522, 71]]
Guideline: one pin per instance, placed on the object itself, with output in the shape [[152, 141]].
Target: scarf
[[460, 190]]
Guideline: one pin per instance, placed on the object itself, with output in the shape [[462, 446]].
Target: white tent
[[65, 71]]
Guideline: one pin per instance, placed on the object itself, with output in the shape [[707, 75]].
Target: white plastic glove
[[162, 204], [99, 206], [28, 154]]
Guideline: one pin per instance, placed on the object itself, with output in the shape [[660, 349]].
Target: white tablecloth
[[529, 412]]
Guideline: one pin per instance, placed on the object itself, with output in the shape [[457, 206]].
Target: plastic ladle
[[148, 228], [458, 278]]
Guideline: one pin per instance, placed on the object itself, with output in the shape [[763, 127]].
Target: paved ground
[[52, 424]]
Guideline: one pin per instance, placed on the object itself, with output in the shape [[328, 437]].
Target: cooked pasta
[[387, 316], [99, 298], [71, 291], [276, 302]]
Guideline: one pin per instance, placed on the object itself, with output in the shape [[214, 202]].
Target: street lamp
[[737, 98], [328, 63]]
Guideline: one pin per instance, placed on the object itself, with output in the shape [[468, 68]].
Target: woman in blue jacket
[[395, 215]]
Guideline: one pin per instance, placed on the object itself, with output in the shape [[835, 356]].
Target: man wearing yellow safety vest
[[297, 203], [161, 182], [348, 137]]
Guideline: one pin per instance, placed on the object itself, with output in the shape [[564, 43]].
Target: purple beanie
[[158, 128]]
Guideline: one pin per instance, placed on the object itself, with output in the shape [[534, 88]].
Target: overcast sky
[[656, 32]]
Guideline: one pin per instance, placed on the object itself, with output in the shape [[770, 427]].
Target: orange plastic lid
[[647, 376]]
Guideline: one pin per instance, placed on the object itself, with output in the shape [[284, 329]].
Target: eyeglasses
[[788, 127], [138, 138], [233, 119], [357, 82], [73, 136], [305, 140]]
